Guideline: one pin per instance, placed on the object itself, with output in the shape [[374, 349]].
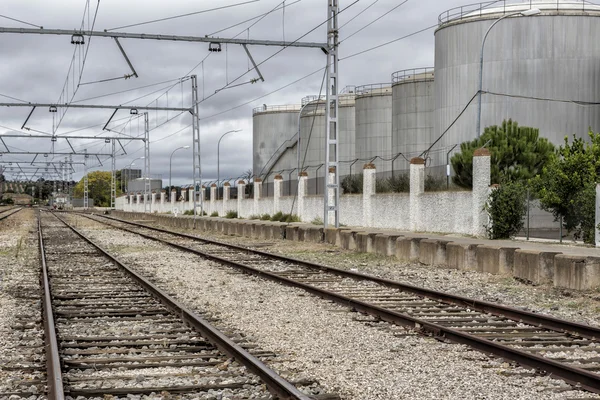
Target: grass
[[265, 217], [231, 214], [214, 214], [317, 221]]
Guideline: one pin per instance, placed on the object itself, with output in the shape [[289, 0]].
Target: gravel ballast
[[346, 352]]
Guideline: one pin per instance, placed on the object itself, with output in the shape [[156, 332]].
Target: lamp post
[[129, 171], [526, 13], [218, 159], [298, 142], [171, 163]]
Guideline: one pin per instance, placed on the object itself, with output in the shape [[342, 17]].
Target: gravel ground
[[346, 352], [19, 287], [582, 307]]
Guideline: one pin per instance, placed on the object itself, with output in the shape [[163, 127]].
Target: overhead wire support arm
[[110, 119], [99, 106], [28, 116], [126, 58], [253, 63], [173, 38]]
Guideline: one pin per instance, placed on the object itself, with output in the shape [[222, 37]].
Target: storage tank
[[273, 128], [413, 103], [314, 108], [552, 55], [374, 125]]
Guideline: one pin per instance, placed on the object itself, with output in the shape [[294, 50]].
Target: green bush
[[435, 183], [214, 214], [188, 212], [399, 183], [506, 207], [254, 216], [231, 214], [317, 221], [290, 218], [352, 184], [265, 217], [382, 186], [277, 216]]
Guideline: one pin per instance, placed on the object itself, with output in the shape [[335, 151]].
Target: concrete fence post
[[302, 187], [173, 199], [138, 198], [153, 201], [417, 188], [163, 195], [226, 192], [277, 185], [213, 199], [597, 215], [369, 177], [481, 189], [191, 194], [241, 195], [257, 194]]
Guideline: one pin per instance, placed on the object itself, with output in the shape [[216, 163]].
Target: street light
[[171, 162], [218, 159], [129, 172], [526, 13]]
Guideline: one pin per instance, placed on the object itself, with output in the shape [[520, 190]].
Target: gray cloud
[[35, 66]]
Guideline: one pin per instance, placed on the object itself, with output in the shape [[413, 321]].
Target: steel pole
[[218, 159]]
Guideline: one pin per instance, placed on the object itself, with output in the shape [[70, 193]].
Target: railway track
[[7, 213], [560, 348], [110, 332]]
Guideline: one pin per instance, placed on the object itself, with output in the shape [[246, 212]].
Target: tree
[[98, 188], [518, 154], [506, 207], [566, 186]]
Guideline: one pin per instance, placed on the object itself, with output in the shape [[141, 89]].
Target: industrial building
[[541, 68]]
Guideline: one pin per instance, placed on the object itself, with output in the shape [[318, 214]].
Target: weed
[[231, 214], [265, 217], [277, 216], [254, 216], [214, 214], [317, 221]]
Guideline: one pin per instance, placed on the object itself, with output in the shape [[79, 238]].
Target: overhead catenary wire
[[21, 21], [375, 20], [183, 15]]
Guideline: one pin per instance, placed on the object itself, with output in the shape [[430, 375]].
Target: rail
[[274, 382], [503, 7], [54, 374], [265, 108], [569, 373], [374, 89], [413, 75]]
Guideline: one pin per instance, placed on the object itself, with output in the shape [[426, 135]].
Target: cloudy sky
[[35, 68]]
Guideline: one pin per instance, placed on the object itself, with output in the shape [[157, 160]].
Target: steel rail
[[575, 376], [539, 320], [54, 374], [276, 384], [9, 214]]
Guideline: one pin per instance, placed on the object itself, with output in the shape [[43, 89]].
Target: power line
[[251, 19], [182, 15], [23, 22], [127, 90], [375, 20], [451, 125], [518, 96], [389, 42], [360, 13], [13, 98]]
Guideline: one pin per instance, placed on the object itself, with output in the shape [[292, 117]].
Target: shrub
[[506, 207], [290, 218], [435, 183], [231, 214], [214, 214], [317, 221], [188, 212], [277, 216], [265, 217], [352, 184], [382, 186], [399, 183], [254, 216]]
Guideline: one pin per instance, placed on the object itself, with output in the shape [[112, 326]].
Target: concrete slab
[[385, 245], [496, 260], [348, 239], [364, 242], [575, 272], [433, 252], [331, 235], [311, 233], [534, 266], [291, 232], [408, 248], [461, 256]]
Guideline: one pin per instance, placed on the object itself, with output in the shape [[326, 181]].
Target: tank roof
[[413, 75], [374, 89], [488, 9], [281, 108]]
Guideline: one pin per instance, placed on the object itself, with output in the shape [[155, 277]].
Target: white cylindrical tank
[[273, 127], [540, 67], [413, 103], [374, 125]]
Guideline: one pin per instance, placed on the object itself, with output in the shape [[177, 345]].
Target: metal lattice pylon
[[85, 181], [331, 194], [197, 190], [113, 177], [69, 188], [147, 203]]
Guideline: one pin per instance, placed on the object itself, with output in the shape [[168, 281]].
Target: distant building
[[137, 185], [129, 174]]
